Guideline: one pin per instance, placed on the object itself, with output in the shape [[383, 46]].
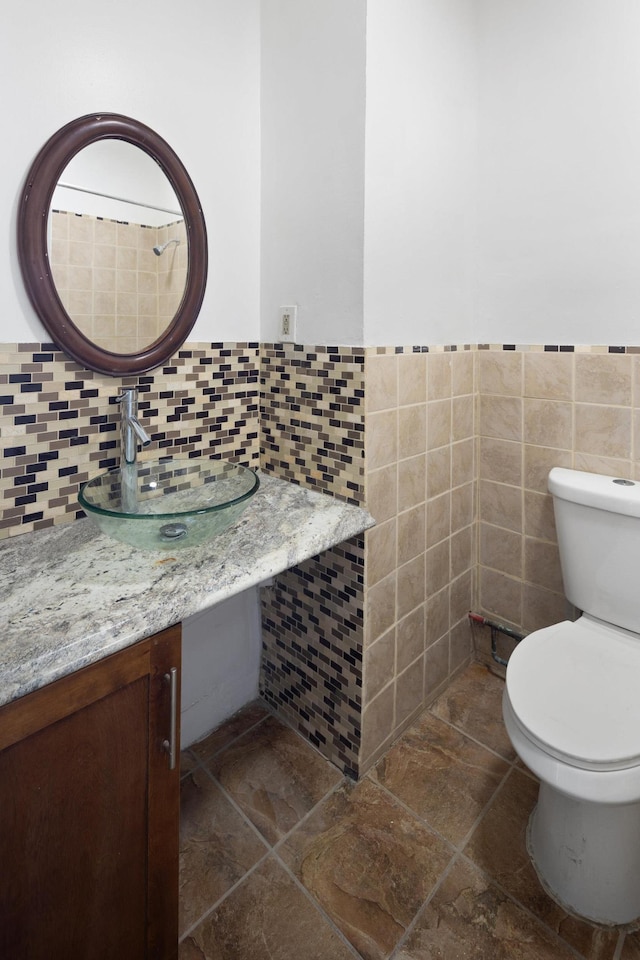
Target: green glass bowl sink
[[170, 503]]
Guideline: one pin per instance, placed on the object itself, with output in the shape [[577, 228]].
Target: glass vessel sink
[[170, 503]]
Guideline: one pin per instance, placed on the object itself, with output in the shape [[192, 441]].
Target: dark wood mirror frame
[[33, 248]]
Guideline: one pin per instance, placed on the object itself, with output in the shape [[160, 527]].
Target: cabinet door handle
[[170, 745]]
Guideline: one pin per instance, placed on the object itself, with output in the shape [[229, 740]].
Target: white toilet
[[572, 705]]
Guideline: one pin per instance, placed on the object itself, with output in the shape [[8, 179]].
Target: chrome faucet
[[131, 431]]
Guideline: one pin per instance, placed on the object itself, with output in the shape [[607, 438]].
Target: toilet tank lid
[[615, 494]]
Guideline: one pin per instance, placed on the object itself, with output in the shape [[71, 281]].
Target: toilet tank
[[598, 526]]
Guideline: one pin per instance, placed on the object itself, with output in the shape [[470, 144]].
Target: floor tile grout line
[[270, 848], [475, 740], [412, 812], [237, 808], [421, 909], [523, 906], [221, 899], [317, 906], [485, 809]]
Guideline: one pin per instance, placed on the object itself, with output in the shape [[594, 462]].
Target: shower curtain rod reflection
[[110, 196]]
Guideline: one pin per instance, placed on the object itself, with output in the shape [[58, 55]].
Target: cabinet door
[[89, 812]]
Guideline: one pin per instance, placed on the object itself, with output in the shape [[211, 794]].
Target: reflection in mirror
[[118, 246]]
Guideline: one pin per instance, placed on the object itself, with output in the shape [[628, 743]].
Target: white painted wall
[[220, 663], [420, 171], [192, 74], [312, 112], [559, 171]]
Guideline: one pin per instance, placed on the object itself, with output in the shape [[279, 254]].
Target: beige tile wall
[[420, 558], [537, 410], [118, 292]]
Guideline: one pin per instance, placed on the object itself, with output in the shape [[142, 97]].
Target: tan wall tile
[[382, 493], [436, 669], [411, 581], [548, 423], [462, 462], [411, 482], [500, 372], [539, 519], [538, 461], [438, 471], [463, 554], [409, 691], [411, 637], [500, 417], [462, 418], [500, 595], [463, 506], [608, 466], [438, 423], [411, 534], [500, 460], [604, 379], [548, 376], [412, 431], [377, 722], [462, 372], [381, 556], [501, 549], [437, 616], [605, 431], [501, 505], [438, 566], [439, 376], [542, 607], [380, 608], [382, 383], [438, 519], [412, 378], [542, 564], [461, 599], [460, 644], [379, 664], [381, 439]]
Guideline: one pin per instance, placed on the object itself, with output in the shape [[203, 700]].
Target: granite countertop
[[71, 596]]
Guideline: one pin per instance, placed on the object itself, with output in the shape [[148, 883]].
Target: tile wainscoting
[[448, 448]]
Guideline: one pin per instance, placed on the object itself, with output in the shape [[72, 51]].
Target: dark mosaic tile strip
[[312, 634], [60, 423], [312, 417]]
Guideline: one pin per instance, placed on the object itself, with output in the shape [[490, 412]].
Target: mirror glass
[[117, 246], [112, 244]]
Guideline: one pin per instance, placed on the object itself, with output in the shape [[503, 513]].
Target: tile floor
[[423, 859]]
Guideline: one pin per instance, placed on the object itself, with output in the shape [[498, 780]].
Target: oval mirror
[[112, 244]]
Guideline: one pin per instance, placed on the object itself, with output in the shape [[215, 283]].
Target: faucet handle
[[126, 392]]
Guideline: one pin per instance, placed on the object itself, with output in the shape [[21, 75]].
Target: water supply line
[[496, 628]]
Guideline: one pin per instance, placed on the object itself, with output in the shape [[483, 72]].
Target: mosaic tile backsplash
[[312, 417], [59, 424]]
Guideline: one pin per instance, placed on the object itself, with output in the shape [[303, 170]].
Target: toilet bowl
[[571, 706]]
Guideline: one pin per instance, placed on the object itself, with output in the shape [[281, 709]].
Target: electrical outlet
[[288, 317]]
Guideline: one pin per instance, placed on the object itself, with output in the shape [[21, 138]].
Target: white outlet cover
[[291, 312]]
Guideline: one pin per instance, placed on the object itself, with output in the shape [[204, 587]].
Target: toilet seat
[[574, 691]]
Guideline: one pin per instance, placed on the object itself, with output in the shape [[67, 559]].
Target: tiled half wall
[[449, 449]]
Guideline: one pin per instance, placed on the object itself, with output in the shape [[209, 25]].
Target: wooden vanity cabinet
[[89, 812]]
